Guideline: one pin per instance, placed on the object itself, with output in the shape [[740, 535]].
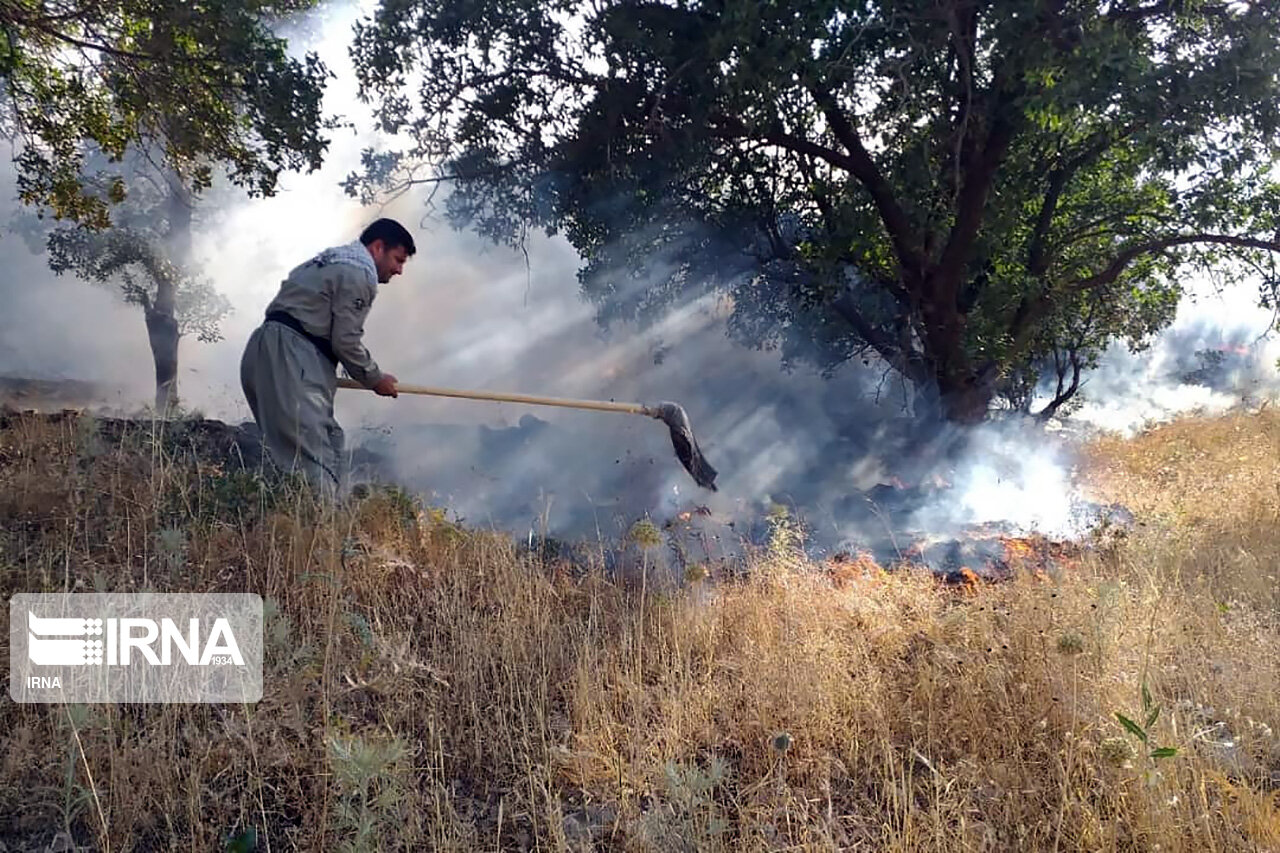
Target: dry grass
[[429, 688], [1209, 490]]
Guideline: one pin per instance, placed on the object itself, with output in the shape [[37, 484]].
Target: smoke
[[467, 314], [1011, 474], [1218, 354], [60, 328]]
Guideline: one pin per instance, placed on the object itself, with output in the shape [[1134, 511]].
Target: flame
[[967, 579], [1036, 554], [1017, 549], [990, 555], [965, 559], [846, 570], [688, 514]]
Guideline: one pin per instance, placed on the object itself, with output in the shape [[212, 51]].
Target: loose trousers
[[290, 388]]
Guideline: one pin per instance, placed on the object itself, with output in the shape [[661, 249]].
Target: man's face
[[390, 262]]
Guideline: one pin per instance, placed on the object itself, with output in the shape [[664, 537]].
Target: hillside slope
[[430, 687]]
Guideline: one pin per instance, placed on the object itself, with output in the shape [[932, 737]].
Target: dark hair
[[391, 233]]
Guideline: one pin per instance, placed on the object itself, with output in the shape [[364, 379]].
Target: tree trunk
[[964, 399], [162, 334], [178, 213], [947, 385], [162, 323]]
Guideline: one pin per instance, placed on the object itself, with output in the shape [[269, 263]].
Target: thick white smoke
[[1218, 353]]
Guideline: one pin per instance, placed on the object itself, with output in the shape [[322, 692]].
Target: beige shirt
[[332, 300]]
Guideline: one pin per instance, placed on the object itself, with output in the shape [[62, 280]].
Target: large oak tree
[[972, 191]]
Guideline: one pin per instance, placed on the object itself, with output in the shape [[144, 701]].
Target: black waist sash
[[287, 319]]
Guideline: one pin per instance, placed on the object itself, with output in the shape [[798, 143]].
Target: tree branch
[[1097, 145], [101, 48], [1037, 254], [1116, 224], [819, 198], [524, 74], [860, 164], [980, 170], [908, 363], [862, 168], [1064, 393], [1134, 14], [1031, 310], [440, 179], [963, 46], [1129, 255]]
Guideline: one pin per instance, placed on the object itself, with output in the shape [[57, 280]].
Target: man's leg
[[250, 371], [248, 375], [294, 387], [338, 451]]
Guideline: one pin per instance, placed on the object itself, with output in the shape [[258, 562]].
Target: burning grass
[[429, 687]]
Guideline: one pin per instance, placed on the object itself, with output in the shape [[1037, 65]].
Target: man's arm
[[352, 298]]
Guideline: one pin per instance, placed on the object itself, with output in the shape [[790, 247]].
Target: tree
[[145, 255], [125, 111], [971, 191], [199, 84]]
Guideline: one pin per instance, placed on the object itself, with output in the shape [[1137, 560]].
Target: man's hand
[[386, 386]]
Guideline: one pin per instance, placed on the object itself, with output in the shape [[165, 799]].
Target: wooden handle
[[499, 397]]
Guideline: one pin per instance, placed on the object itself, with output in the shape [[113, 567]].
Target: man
[[315, 323]]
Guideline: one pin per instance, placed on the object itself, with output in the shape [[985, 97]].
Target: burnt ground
[[21, 393], [232, 446], [691, 536]]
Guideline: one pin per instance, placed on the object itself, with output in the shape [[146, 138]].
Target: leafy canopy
[[130, 260], [195, 83], [973, 192]]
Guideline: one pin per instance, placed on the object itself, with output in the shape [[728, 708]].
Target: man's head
[[391, 245]]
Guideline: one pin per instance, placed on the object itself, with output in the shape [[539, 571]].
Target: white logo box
[[135, 647]]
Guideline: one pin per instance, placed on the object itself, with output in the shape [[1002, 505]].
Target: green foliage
[[239, 493], [369, 774], [145, 257], [786, 533], [360, 626], [77, 797], [696, 573], [131, 260], [1143, 732], [645, 534], [123, 111], [196, 84], [1070, 644], [223, 494], [979, 195], [245, 841], [171, 545], [400, 503], [692, 816], [1116, 751]]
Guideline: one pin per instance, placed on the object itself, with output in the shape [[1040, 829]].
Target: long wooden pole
[[501, 397]]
